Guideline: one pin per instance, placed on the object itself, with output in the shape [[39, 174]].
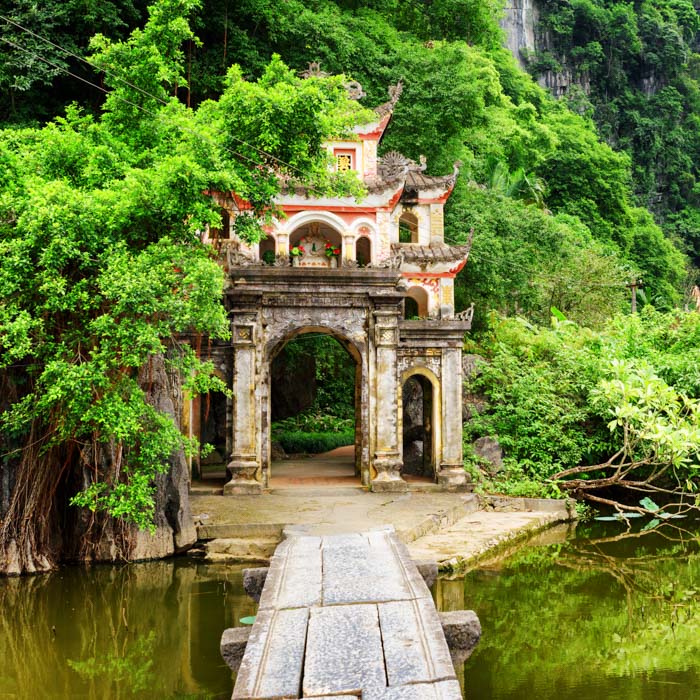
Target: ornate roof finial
[[313, 71], [355, 91], [395, 92]]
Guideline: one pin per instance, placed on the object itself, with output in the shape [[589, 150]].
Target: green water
[[593, 617]]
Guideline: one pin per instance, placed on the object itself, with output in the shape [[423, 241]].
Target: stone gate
[[375, 274]]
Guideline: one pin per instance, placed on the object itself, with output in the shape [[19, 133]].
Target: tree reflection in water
[[142, 630], [607, 614]]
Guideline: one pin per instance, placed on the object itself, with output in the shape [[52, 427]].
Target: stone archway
[[361, 307], [421, 423], [272, 350]]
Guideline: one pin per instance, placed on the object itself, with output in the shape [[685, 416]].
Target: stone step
[[467, 504], [240, 549]]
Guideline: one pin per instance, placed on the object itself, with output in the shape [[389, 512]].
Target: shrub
[[297, 442]]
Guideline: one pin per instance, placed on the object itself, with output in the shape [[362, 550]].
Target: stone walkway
[[481, 533], [346, 616], [449, 528]]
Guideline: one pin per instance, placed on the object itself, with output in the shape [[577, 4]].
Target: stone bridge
[[348, 616]]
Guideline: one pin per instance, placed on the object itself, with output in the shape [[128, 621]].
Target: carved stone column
[[244, 464], [349, 246], [388, 458], [452, 468], [282, 244]]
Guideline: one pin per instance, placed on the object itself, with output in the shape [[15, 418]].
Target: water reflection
[[144, 630], [593, 617], [597, 616]]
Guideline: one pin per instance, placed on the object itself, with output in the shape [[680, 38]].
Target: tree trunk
[[38, 528]]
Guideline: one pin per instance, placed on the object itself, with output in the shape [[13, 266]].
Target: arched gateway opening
[[314, 421], [421, 424]]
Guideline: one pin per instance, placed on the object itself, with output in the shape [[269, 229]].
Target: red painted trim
[[294, 209], [376, 133], [450, 274]]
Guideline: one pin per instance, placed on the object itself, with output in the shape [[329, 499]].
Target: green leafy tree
[[103, 271]]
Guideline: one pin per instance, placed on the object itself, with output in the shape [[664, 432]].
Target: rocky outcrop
[[489, 452], [519, 23], [472, 404], [175, 530], [525, 39], [106, 539]]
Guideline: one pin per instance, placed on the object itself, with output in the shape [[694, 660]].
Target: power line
[[123, 99], [131, 85]]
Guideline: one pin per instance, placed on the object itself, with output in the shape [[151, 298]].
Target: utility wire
[[166, 103], [123, 99], [131, 85]]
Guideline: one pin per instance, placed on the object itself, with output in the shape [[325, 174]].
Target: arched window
[[314, 238], [363, 251], [267, 249], [408, 228], [416, 303], [223, 232]]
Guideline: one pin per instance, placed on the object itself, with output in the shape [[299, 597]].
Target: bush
[[297, 442]]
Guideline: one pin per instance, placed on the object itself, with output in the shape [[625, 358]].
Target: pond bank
[[452, 529]]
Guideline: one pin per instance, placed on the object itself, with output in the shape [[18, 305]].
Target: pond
[[594, 616]]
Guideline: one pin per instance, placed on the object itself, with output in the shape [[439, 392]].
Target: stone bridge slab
[[346, 616]]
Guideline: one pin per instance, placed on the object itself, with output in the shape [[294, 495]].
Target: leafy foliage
[[298, 442], [101, 263], [591, 410]]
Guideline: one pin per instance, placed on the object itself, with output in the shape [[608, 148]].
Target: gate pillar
[[245, 457], [451, 467], [388, 458]]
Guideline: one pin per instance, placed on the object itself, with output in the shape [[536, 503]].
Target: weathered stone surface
[[239, 549], [273, 661], [372, 624], [294, 576], [428, 570], [344, 651], [240, 487], [489, 451], [389, 484], [472, 366], [414, 645], [445, 690], [360, 569], [462, 629], [413, 457], [254, 580], [233, 644], [473, 405], [277, 451]]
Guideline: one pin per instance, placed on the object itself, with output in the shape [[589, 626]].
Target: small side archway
[[416, 303], [421, 422]]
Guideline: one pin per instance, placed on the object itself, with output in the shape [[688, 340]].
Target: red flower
[[336, 251]]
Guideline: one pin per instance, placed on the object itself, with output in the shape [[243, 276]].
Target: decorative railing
[[466, 315]]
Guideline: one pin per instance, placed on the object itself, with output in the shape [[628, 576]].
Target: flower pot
[[295, 261], [334, 261]]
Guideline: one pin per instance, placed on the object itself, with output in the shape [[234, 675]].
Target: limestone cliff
[[520, 20], [524, 38]]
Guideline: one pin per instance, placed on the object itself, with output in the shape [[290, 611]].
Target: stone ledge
[[233, 644], [462, 629], [565, 507], [436, 522], [254, 581]]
